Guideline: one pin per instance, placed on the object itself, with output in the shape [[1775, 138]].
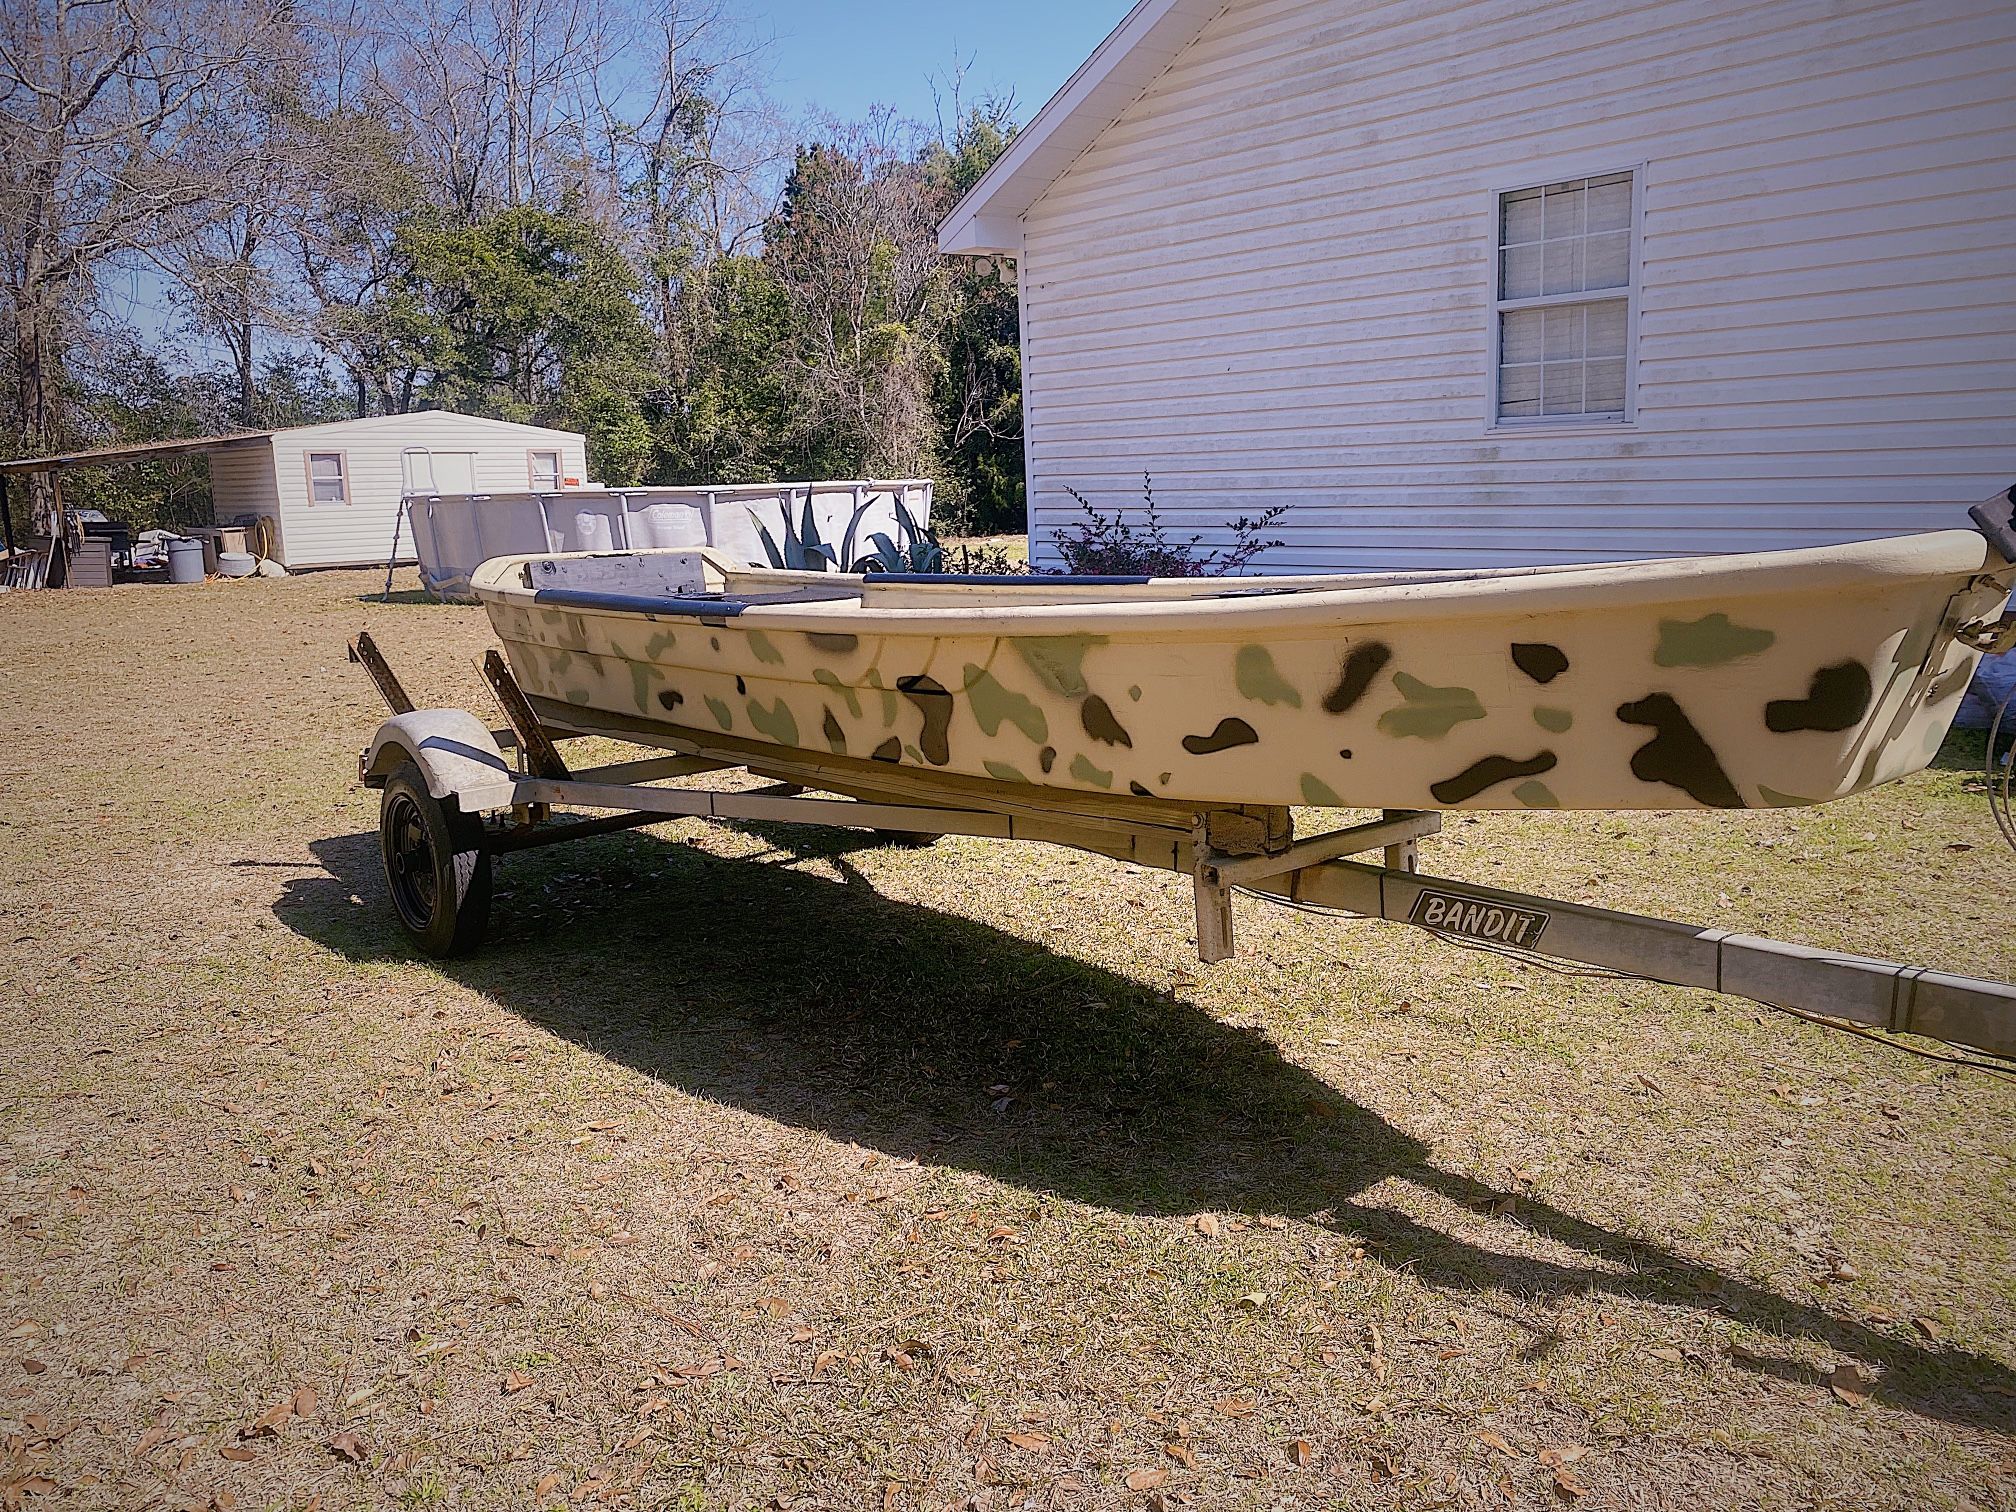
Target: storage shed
[[333, 491], [1477, 283]]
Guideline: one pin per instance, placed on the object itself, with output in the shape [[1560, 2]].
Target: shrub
[[1107, 545]]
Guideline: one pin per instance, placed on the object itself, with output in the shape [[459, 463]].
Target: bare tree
[[107, 148], [855, 244]]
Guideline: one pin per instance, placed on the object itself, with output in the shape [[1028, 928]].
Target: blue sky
[[846, 56]]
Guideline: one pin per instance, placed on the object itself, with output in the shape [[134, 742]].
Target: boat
[[1750, 681]]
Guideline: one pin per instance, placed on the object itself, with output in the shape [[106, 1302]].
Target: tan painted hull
[[1756, 681]]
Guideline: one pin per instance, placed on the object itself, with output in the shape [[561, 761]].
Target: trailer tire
[[436, 869]]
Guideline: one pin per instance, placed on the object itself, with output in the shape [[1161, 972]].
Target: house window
[[1566, 286], [328, 478], [545, 471]]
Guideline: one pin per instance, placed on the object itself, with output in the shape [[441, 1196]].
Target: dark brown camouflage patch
[[1047, 757], [1229, 733], [828, 640], [1488, 773], [670, 698], [934, 702], [890, 750], [1362, 665], [1676, 754], [835, 736], [1097, 717], [1538, 660], [1836, 699]]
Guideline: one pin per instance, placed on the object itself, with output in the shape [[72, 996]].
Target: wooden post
[[1405, 856], [6, 519], [1213, 898]]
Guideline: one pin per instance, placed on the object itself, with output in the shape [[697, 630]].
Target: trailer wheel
[[435, 866]]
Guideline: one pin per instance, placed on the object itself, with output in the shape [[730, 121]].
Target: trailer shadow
[[824, 1005]]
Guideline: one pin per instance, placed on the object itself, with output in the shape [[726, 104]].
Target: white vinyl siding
[[1272, 279], [1563, 276], [374, 452]]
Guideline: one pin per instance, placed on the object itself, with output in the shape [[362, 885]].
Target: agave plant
[[913, 549], [802, 550]]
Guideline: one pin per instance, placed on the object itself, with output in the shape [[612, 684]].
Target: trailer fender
[[452, 747]]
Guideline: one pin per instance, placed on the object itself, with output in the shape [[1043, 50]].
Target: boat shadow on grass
[[827, 1006]]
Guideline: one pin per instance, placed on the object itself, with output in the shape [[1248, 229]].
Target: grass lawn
[[760, 1167]]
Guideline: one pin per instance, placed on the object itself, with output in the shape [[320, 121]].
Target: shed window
[[545, 471], [328, 478], [1566, 288]]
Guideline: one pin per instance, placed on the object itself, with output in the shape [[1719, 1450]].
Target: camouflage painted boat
[[1780, 678]]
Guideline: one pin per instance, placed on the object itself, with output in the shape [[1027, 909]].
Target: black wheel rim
[[409, 863]]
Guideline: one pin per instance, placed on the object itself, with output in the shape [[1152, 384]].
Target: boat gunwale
[[1946, 559]]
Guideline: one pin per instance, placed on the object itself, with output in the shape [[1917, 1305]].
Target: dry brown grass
[[756, 1167]]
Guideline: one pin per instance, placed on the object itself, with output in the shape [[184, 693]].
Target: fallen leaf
[[1930, 1327], [827, 1359], [1234, 1407], [776, 1307], [515, 1382], [1301, 1452], [1566, 1484], [33, 1367], [1667, 1353], [546, 1483], [1028, 1440], [272, 1420], [1493, 1441], [1147, 1478], [1850, 1385], [348, 1444], [1269, 1221], [1206, 1224], [1183, 1454], [237, 1455], [1253, 1301], [1567, 1454], [304, 1401]]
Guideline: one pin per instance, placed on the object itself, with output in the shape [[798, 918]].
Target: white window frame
[[342, 477], [533, 453], [1527, 425]]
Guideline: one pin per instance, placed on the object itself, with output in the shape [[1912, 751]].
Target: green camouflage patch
[[1254, 672], [1430, 712], [1708, 642]]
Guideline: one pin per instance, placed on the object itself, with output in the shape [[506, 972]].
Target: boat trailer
[[452, 800]]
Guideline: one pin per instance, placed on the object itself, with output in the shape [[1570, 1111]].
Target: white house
[[1476, 282], [332, 491]]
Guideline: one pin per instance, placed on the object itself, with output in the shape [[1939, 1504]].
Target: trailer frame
[[486, 805]]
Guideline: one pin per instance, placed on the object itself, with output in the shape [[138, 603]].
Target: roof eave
[[981, 233], [988, 217]]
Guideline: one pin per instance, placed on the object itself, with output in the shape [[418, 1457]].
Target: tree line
[[580, 213]]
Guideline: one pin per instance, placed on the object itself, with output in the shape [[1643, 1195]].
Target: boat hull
[[1780, 679]]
